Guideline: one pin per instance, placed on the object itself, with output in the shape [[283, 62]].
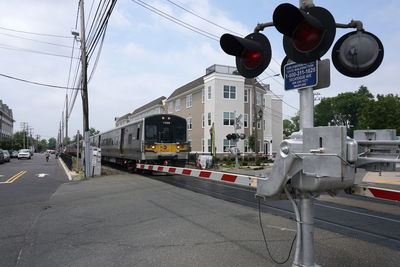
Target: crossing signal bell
[[253, 53], [308, 33], [235, 136]]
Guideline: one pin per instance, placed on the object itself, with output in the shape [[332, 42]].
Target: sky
[[146, 56]]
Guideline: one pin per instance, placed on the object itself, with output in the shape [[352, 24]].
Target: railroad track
[[350, 221], [371, 226]]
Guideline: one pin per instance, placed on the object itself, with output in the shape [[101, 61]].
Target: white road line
[[356, 212]]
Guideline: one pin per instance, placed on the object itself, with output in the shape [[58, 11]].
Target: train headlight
[[153, 147], [178, 146]]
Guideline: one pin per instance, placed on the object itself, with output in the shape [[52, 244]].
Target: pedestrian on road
[[47, 154]]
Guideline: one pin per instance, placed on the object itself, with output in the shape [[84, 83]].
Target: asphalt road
[[376, 221], [25, 188], [134, 220]]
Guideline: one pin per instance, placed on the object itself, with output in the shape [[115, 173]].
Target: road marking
[[386, 182], [14, 178], [41, 175], [360, 213]]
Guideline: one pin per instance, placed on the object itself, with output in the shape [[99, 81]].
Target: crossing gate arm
[[376, 192], [233, 178]]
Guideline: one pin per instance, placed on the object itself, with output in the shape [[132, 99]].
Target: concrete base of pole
[[87, 154]]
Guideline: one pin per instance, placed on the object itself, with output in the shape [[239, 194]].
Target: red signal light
[[252, 59], [307, 37]]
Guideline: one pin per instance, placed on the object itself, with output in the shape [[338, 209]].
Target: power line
[[37, 83], [209, 21], [34, 40], [36, 33], [31, 51], [177, 21]]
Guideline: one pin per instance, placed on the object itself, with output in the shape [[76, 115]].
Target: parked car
[[14, 154], [1, 156], [24, 153], [6, 156]]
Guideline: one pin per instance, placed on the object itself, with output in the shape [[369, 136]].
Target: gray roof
[[187, 87], [158, 101]]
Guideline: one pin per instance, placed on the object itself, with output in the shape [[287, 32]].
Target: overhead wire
[[207, 20], [177, 21], [37, 83], [34, 40], [36, 33], [14, 48]]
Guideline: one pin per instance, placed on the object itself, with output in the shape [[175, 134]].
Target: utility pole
[[66, 118], [85, 104], [77, 151], [62, 129], [255, 117]]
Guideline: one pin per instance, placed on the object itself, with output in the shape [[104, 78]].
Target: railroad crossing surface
[[136, 220]]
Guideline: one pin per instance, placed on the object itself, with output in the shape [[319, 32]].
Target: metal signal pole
[[85, 103]]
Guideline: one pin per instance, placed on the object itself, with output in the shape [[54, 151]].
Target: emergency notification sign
[[299, 76]]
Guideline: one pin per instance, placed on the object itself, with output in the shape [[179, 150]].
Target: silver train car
[[157, 139]]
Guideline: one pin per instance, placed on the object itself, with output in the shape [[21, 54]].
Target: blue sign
[[298, 76]]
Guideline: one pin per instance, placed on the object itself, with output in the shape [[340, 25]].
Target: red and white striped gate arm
[[375, 192], [217, 176]]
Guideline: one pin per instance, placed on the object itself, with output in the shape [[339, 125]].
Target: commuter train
[[156, 139]]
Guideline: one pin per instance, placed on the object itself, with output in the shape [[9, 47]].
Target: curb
[[67, 172]]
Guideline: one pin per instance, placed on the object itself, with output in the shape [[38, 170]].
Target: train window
[[130, 139], [180, 133], [138, 133], [151, 132], [165, 134]]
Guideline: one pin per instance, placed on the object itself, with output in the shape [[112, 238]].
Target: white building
[[218, 97]]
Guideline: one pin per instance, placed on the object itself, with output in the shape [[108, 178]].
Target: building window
[[264, 125], [258, 124], [177, 104], [229, 118], [259, 145], [258, 98], [202, 95], [246, 146], [189, 123], [246, 120], [171, 107], [209, 118], [202, 121], [209, 93], [228, 144], [209, 145], [202, 145], [189, 101], [229, 92], [246, 96]]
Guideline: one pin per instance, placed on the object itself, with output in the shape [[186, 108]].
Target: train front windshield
[[165, 131]]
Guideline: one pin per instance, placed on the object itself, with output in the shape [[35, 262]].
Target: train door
[[121, 141]]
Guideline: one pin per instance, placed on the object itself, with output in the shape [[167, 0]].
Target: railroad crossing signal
[[235, 136], [308, 33], [357, 54], [253, 53]]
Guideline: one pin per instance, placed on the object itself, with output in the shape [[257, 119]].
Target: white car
[[24, 153]]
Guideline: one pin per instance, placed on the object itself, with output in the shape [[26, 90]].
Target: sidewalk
[[132, 220]]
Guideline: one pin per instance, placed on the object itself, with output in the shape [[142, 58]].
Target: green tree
[[18, 140], [251, 142], [93, 131], [290, 126], [344, 108], [384, 113], [52, 143], [42, 145]]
